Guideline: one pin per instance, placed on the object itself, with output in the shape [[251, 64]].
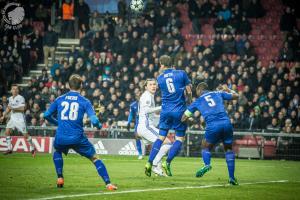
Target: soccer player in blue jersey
[[173, 85], [218, 125], [133, 114], [70, 109]]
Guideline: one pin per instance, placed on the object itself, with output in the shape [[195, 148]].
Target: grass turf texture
[[22, 177]]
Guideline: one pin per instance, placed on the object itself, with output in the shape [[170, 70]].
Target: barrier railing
[[247, 144]]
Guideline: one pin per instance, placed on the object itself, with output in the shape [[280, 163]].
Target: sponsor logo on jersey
[[128, 149], [99, 147]]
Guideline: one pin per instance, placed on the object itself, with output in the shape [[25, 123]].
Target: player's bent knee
[[94, 158]]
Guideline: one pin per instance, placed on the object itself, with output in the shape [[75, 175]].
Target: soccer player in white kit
[[146, 128], [16, 108]]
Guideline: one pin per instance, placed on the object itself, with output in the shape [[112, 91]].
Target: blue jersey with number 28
[[172, 84], [70, 109]]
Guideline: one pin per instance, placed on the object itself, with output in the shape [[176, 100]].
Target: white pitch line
[[152, 190]]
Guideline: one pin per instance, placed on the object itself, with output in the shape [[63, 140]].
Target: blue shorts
[[172, 120], [219, 131], [84, 148]]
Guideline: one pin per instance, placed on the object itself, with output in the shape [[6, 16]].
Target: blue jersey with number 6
[[211, 106], [172, 84], [70, 109]]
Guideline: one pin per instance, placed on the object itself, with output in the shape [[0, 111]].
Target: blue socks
[[101, 169], [229, 155], [59, 163], [174, 150], [206, 155], [155, 149], [139, 146]]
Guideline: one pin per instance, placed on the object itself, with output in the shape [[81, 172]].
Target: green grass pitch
[[22, 177]]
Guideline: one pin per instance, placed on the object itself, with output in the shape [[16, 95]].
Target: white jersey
[[16, 102], [147, 109]]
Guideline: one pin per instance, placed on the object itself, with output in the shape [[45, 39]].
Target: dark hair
[[165, 60], [75, 82], [202, 86], [14, 85]]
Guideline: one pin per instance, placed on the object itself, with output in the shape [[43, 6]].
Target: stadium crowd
[[116, 55]]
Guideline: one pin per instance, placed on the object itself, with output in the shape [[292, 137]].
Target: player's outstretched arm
[[95, 121], [189, 93], [153, 110], [48, 115], [232, 92]]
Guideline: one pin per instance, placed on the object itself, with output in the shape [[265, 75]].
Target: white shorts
[[20, 125], [148, 133]]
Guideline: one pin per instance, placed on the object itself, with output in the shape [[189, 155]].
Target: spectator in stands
[[255, 9], [50, 41], [37, 45], [286, 53], [220, 25], [225, 13], [68, 19], [244, 26], [95, 23], [122, 8], [42, 14], [288, 20], [83, 14]]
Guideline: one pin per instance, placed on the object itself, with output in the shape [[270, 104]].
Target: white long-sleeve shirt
[[16, 102], [147, 109]]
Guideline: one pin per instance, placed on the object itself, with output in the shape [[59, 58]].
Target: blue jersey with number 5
[[70, 109], [211, 106], [172, 84]]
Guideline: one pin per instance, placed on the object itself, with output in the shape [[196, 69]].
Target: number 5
[[210, 101]]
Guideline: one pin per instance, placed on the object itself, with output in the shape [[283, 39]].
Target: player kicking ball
[[146, 128], [218, 125], [16, 108], [70, 109], [173, 84]]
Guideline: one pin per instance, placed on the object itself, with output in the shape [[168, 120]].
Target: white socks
[[8, 141], [29, 140], [163, 151]]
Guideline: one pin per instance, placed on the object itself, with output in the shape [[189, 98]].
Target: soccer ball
[[137, 5]]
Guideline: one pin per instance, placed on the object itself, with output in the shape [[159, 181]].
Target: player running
[[146, 128], [173, 84], [70, 109], [16, 108], [133, 114], [218, 125]]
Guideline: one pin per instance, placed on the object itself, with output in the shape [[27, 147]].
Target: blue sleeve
[[226, 95], [186, 79], [130, 116], [48, 114], [89, 109], [191, 109]]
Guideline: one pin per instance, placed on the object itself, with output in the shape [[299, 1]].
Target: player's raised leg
[[206, 157], [175, 149], [157, 162], [154, 151]]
